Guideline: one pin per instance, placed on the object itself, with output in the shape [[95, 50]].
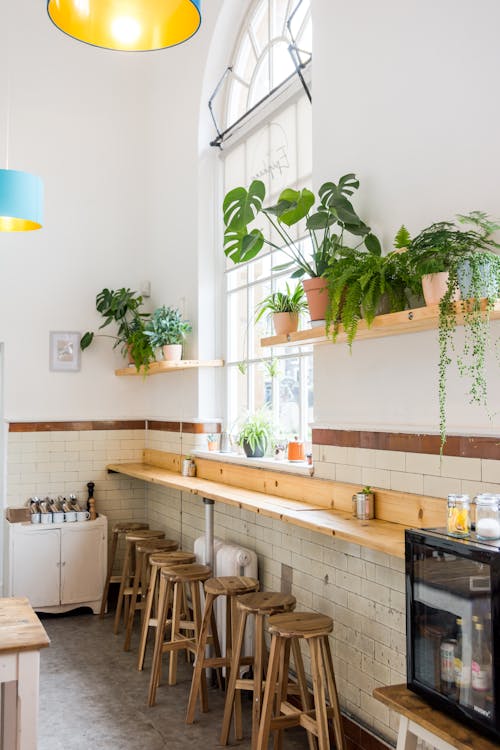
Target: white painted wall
[[404, 96]]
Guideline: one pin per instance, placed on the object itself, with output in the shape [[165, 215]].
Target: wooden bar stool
[[230, 587], [260, 605], [156, 561], [128, 569], [172, 588], [118, 532], [140, 578], [315, 629]]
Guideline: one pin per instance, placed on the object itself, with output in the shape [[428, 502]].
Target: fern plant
[[358, 282]]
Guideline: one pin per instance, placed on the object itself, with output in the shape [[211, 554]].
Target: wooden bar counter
[[316, 504]]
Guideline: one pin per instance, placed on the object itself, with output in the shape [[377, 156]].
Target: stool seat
[[126, 526], [156, 545], [175, 557], [137, 536], [300, 624], [264, 602], [185, 573], [231, 585]]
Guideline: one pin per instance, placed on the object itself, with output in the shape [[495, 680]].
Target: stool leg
[[147, 616], [158, 649], [268, 701], [133, 601], [175, 631], [112, 554], [199, 659], [195, 601], [231, 687], [123, 584], [258, 665], [338, 732], [284, 663], [216, 647], [319, 694], [305, 698], [231, 636]]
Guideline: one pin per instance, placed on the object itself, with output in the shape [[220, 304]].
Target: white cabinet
[[57, 567]]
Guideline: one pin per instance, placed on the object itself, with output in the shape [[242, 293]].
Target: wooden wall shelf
[[157, 368], [393, 324]]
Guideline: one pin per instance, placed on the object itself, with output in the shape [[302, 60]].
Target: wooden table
[[420, 721], [21, 638]]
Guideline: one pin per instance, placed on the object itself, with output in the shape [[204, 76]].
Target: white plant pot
[[172, 352]]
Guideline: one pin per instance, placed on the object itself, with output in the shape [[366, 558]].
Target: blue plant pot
[[487, 286]]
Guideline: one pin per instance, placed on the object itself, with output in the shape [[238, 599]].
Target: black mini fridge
[[453, 625]]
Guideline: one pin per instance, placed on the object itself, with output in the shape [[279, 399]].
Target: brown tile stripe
[[456, 445], [131, 424], [358, 738], [194, 428]]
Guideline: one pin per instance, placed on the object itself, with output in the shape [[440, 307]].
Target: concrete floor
[[93, 697]]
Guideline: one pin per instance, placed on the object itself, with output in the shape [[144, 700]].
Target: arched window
[[262, 60], [274, 145]]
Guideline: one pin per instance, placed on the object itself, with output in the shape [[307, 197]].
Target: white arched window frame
[[273, 144]]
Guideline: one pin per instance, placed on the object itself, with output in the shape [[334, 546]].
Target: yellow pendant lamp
[[127, 25]]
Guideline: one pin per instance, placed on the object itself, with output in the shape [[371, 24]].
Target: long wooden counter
[[329, 514]]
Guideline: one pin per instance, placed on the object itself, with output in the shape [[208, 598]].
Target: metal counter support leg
[[209, 533]]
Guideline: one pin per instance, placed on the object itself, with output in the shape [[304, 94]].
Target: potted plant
[[167, 329], [123, 307], [255, 434], [326, 228], [469, 259], [212, 442], [363, 285], [285, 308]]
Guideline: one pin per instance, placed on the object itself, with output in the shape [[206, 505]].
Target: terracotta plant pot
[[285, 322], [434, 286], [212, 445], [317, 297], [172, 352]]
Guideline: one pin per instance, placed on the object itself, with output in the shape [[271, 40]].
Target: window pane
[[245, 61], [260, 25], [261, 83], [282, 63], [237, 325], [299, 19], [289, 395], [261, 385], [310, 397], [236, 277], [237, 393], [234, 168], [257, 294], [238, 101], [279, 15], [261, 268]]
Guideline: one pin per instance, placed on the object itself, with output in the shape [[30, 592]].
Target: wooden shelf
[[157, 368], [393, 324]]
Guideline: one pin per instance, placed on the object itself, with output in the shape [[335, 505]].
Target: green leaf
[[402, 238], [345, 211], [86, 340], [321, 219], [240, 246], [241, 206], [373, 245], [293, 205]]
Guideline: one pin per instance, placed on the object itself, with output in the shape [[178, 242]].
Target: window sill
[[290, 467]]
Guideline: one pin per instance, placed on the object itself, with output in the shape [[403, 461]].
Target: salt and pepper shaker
[[91, 501]]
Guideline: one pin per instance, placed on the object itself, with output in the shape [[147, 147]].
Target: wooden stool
[[156, 562], [285, 629], [128, 569], [172, 582], [142, 551], [230, 587], [118, 532], [260, 604]]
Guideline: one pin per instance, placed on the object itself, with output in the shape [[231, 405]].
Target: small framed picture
[[64, 351]]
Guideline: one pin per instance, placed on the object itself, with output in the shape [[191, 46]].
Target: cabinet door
[[36, 566], [82, 563]]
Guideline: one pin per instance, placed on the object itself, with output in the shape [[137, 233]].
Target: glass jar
[[487, 516], [458, 515]]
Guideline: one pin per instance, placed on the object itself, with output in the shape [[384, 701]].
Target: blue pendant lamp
[[21, 201], [127, 25]]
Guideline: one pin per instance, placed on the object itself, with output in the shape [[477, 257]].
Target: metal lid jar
[[458, 523], [487, 516]]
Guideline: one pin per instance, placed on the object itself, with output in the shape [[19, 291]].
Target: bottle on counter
[[481, 671], [447, 654], [458, 523]]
